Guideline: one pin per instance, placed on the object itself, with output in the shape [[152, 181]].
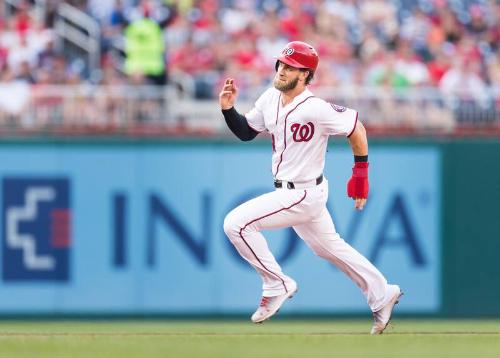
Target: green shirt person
[[144, 48]]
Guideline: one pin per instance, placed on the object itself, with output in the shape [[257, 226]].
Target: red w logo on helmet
[[302, 133]]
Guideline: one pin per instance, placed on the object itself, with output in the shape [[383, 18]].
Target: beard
[[285, 86]]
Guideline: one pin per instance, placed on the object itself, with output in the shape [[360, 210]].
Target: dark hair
[[310, 76]]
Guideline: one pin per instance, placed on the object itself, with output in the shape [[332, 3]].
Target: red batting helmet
[[299, 55]]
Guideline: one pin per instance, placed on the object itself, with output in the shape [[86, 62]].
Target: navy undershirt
[[238, 124]]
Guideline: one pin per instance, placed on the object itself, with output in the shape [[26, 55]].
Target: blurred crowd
[[376, 42], [194, 45], [452, 45]]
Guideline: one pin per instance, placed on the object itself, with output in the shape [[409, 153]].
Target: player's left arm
[[358, 186]]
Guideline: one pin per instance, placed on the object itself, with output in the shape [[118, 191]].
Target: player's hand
[[228, 95], [358, 186]]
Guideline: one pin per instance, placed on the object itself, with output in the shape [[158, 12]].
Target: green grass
[[241, 339]]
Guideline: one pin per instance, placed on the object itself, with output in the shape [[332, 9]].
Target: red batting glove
[[358, 186]]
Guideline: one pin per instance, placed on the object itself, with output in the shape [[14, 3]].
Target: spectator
[[22, 52], [47, 55], [448, 21], [25, 73], [494, 71], [144, 48], [409, 63], [437, 67], [462, 81], [415, 31], [380, 17], [117, 16], [464, 90], [388, 74], [270, 40], [46, 104], [14, 97], [235, 19], [478, 25], [22, 19]]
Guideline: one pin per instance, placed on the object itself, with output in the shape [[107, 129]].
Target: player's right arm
[[236, 122]]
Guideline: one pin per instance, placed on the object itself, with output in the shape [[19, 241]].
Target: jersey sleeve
[[255, 117], [337, 120]]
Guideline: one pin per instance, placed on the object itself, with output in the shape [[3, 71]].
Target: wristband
[[360, 158]]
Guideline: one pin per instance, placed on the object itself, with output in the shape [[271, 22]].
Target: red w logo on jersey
[[302, 133]]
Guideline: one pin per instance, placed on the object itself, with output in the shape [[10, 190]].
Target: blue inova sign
[[147, 237]]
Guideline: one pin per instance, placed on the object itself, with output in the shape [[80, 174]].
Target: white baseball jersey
[[299, 132]]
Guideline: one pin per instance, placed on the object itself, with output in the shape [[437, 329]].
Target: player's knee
[[235, 226], [231, 227]]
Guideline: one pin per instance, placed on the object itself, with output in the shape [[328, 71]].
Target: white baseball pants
[[304, 210]]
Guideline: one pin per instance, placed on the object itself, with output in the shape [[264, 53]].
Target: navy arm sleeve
[[238, 124]]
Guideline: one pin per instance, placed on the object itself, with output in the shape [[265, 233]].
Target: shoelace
[[264, 301]]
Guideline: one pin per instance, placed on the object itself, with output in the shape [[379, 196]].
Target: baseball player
[[299, 124]]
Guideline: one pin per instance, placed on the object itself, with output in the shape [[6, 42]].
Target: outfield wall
[[116, 227]]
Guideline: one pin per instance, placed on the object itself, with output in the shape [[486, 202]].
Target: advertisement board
[[138, 229]]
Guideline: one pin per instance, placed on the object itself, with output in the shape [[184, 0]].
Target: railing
[[152, 110], [421, 109], [81, 30]]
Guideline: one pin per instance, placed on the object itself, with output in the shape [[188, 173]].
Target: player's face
[[287, 77]]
